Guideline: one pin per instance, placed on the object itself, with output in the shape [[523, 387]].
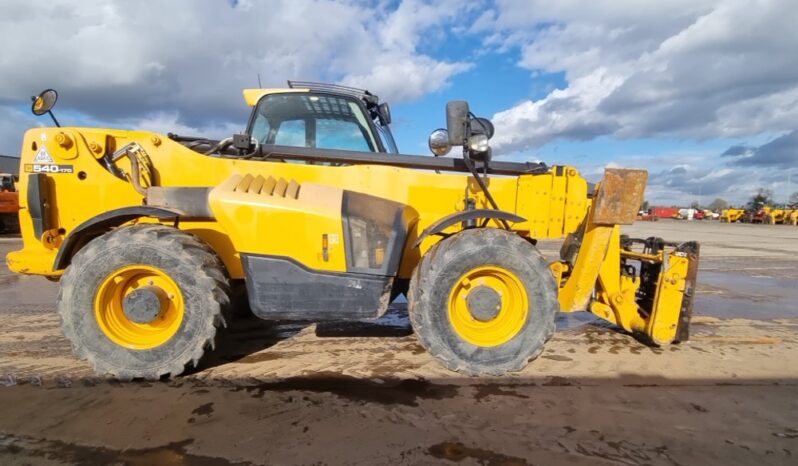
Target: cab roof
[[252, 96]]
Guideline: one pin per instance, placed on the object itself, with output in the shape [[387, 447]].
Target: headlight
[[478, 143]]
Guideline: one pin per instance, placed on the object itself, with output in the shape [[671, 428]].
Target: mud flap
[[691, 249]]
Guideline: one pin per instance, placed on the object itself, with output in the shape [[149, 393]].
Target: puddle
[[728, 295], [491, 389], [390, 391], [173, 454], [457, 452]]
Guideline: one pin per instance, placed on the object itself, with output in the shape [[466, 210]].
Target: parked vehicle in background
[[778, 216], [9, 204], [663, 212], [646, 216], [687, 214], [757, 216], [732, 215]]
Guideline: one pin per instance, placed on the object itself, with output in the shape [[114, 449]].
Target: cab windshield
[[320, 121]]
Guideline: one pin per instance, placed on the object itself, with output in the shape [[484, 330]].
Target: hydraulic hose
[[221, 145], [470, 165]]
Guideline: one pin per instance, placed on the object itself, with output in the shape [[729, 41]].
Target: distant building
[[9, 164]]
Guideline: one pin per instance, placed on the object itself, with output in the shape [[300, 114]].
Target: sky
[[703, 94]]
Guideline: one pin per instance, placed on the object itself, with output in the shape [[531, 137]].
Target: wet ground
[[367, 393]]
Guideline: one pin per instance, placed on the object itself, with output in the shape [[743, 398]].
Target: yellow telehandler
[[314, 211], [778, 216], [731, 215]]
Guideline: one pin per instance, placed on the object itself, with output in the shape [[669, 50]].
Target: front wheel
[[143, 301], [483, 302]]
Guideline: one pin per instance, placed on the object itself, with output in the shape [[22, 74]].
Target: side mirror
[[385, 113], [456, 116], [439, 142], [44, 102]]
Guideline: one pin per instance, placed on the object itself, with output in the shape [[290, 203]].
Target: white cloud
[[169, 122], [681, 176], [406, 78], [117, 61], [13, 124], [684, 69]]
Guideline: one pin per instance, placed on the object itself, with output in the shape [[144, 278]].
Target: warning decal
[[43, 156]]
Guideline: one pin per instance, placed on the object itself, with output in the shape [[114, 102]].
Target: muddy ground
[[366, 393]]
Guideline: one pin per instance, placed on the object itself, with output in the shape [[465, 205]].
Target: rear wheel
[[483, 302], [143, 301]]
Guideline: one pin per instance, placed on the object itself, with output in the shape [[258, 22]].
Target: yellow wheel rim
[[508, 309], [115, 323]]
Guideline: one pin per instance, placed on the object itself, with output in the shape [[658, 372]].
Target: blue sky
[[668, 86]]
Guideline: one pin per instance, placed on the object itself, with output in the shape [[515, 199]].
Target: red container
[[664, 212]]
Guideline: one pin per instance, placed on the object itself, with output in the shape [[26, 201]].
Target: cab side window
[[340, 134], [291, 133]]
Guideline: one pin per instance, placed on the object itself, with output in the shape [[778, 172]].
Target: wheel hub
[[144, 305], [484, 303], [488, 306]]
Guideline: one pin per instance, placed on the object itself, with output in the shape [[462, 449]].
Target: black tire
[[190, 263], [439, 271]]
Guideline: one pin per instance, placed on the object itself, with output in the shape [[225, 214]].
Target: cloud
[[686, 69], [13, 124], [406, 78], [685, 184], [169, 122], [735, 174], [781, 152], [736, 151], [114, 61]]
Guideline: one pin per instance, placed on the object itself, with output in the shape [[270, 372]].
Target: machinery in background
[[732, 215], [778, 215], [9, 204]]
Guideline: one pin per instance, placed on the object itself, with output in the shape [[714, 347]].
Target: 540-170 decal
[[47, 168]]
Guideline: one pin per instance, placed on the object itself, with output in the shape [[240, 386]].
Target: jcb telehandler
[[318, 214], [732, 215]]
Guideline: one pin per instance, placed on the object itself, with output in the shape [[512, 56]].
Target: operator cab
[[320, 116]]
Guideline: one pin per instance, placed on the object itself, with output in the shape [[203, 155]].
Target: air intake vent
[[268, 186]]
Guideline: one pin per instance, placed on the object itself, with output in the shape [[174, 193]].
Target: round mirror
[[482, 126], [44, 102], [439, 142]]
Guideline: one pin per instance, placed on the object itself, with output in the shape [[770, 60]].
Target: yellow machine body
[[553, 204], [272, 208], [777, 216], [731, 215]]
